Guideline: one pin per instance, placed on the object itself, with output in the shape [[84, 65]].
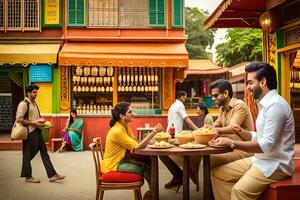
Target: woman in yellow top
[[120, 142]]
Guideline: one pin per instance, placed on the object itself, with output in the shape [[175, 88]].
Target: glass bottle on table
[[172, 131]]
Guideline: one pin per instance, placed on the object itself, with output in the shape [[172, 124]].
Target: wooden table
[[186, 153]]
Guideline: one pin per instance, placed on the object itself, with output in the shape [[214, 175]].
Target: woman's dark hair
[[203, 107], [73, 110], [120, 108], [180, 93], [222, 85], [263, 70], [29, 88]]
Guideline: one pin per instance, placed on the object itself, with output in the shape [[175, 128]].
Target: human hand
[[39, 124], [237, 129], [221, 141], [206, 126], [157, 128], [41, 120]]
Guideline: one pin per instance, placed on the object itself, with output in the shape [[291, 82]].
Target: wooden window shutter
[[76, 12], [14, 15], [31, 15], [157, 13], [177, 13]]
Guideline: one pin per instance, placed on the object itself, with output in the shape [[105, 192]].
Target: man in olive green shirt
[[232, 112]]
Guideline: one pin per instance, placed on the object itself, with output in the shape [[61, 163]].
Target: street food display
[[162, 136], [136, 79], [140, 86], [93, 89], [184, 137], [204, 135]]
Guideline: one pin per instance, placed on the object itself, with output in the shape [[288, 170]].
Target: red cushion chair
[[113, 180], [120, 177]]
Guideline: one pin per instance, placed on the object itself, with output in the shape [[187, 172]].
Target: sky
[[209, 5]]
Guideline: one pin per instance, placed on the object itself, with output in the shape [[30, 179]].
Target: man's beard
[[221, 102], [256, 92]]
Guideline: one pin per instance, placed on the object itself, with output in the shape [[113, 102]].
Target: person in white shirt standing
[[273, 143], [176, 116]]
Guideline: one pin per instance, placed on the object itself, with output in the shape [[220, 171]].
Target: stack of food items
[[162, 139]]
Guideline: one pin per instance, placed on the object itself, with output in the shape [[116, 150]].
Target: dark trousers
[[172, 166], [34, 143]]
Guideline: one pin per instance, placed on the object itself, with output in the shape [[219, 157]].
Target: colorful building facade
[[91, 55]]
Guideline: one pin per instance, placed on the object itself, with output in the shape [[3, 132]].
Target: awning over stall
[[204, 66], [236, 13], [28, 53], [124, 54]]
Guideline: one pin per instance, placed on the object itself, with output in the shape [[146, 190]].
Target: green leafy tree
[[242, 45], [198, 39]]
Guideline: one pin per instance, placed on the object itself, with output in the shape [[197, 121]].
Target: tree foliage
[[198, 39], [242, 45]]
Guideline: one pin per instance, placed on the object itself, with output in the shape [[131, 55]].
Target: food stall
[[198, 77]]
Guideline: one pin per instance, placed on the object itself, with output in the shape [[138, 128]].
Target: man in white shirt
[[273, 143], [176, 116]]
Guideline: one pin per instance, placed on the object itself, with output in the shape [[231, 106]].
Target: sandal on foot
[[32, 180], [56, 178]]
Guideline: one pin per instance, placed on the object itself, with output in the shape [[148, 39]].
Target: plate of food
[[160, 145], [210, 143], [48, 124], [191, 145]]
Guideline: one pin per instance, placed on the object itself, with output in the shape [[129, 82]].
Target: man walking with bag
[[35, 141]]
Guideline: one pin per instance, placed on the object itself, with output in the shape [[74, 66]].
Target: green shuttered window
[[76, 12], [157, 13], [177, 13]]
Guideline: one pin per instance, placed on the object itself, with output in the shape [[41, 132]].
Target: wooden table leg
[[154, 178], [207, 191], [186, 180]]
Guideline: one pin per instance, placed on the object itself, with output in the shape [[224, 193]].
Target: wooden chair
[[101, 186]]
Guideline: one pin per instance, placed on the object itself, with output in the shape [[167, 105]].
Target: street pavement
[[80, 183]]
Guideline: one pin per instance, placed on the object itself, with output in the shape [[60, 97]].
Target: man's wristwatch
[[232, 144]]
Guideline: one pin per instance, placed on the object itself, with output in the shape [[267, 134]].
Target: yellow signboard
[[51, 14]]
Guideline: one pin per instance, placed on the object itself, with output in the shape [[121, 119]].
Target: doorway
[[11, 94]]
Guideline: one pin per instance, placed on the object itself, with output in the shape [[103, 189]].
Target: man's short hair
[[263, 70], [180, 93], [222, 85], [29, 88]]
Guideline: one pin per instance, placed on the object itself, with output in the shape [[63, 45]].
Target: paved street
[[79, 184]]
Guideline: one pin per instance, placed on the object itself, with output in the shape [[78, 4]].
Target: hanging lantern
[[268, 21]]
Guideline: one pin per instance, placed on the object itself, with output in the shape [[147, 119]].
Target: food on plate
[[189, 145], [161, 144], [48, 123]]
